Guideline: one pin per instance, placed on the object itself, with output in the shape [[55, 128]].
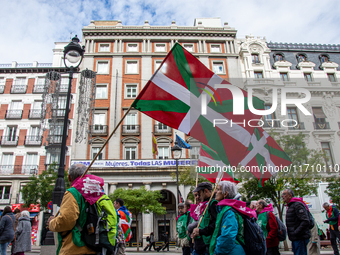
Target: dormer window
[[324, 58], [301, 58], [278, 57], [255, 58]]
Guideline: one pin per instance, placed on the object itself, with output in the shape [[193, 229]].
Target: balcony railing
[[13, 114], [58, 112], [30, 169], [35, 114], [33, 140], [321, 125], [271, 123], [162, 130], [10, 169], [131, 130], [9, 140], [99, 129], [18, 89], [63, 88], [2, 89], [38, 88], [299, 126], [55, 139]]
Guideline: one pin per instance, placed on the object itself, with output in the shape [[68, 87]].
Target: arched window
[[278, 57], [301, 57], [324, 58], [255, 58]]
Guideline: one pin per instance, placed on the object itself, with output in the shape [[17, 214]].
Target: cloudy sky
[[29, 28]]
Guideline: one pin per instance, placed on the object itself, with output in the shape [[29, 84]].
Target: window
[[278, 57], [34, 131], [7, 160], [104, 47], [215, 48], [157, 64], [130, 90], [20, 81], [255, 58], [292, 114], [31, 164], [99, 122], [218, 67], [95, 150], [53, 156], [284, 76], [5, 193], [301, 58], [160, 47], [331, 77], [270, 119], [131, 67], [131, 121], [2, 81], [40, 81], [324, 58], [56, 133], [132, 47], [163, 152], [319, 115], [189, 47], [327, 149], [194, 152], [16, 105], [258, 75], [101, 91], [11, 133], [308, 77], [102, 67], [130, 152]]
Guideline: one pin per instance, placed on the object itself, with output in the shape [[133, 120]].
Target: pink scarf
[[298, 199], [240, 206], [269, 208], [90, 187], [197, 210]]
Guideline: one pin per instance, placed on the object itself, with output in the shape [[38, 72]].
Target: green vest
[[76, 235], [205, 222], [217, 231], [262, 221], [181, 226], [333, 222]]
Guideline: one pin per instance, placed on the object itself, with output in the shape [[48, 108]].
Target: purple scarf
[[269, 208], [90, 187]]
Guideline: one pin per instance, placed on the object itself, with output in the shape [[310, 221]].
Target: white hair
[[325, 204], [76, 170], [229, 187], [25, 214]]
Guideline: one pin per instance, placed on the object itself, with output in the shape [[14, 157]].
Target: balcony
[[35, 114], [30, 169], [10, 169], [55, 139], [131, 130], [63, 88], [299, 126], [161, 129], [13, 114], [271, 124], [9, 140], [18, 89], [99, 130], [59, 113], [33, 140], [321, 125], [38, 88], [2, 89]]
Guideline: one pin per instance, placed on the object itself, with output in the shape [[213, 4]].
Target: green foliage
[[333, 190], [302, 177], [39, 189]]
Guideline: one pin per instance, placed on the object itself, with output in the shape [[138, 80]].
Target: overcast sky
[[29, 28]]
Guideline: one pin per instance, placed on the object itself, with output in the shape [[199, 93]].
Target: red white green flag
[[211, 167], [175, 95], [264, 156]]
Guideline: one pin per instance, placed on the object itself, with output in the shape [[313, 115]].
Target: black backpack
[[282, 231], [310, 216], [148, 238], [254, 241]]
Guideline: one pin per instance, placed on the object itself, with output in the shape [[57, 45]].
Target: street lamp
[[73, 56], [176, 154]]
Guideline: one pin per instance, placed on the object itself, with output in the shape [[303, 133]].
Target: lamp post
[[176, 154], [73, 56]]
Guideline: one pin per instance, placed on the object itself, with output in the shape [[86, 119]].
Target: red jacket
[[272, 227]]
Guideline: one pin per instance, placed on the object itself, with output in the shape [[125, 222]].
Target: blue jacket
[[7, 228], [225, 242]]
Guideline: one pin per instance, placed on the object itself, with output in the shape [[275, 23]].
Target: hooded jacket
[[23, 235]]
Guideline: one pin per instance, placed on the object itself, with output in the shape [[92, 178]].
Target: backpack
[[310, 217], [100, 229], [148, 238], [282, 231], [254, 241]]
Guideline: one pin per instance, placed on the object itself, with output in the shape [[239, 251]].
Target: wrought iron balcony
[[33, 140], [299, 126], [35, 114], [131, 130], [10, 169], [38, 88], [321, 125], [55, 139], [30, 169], [18, 89], [2, 89], [58, 113], [13, 114], [63, 88], [160, 129], [271, 124], [9, 140], [99, 129]]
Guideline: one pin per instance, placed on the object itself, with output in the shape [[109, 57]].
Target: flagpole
[[113, 131]]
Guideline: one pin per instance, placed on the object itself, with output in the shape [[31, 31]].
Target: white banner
[[136, 163]]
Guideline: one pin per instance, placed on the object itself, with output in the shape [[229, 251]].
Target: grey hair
[[263, 203], [290, 191], [325, 204], [76, 170], [25, 214], [229, 187]]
